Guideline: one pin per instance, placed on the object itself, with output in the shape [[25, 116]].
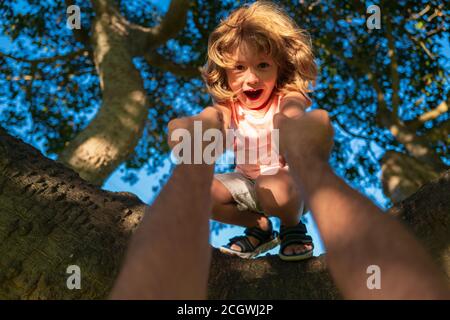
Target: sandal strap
[[299, 228], [260, 234], [294, 235], [242, 242]]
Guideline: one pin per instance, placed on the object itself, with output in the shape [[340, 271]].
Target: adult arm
[[355, 232], [169, 254]]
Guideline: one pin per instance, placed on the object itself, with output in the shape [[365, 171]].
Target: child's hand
[[196, 126], [307, 139], [210, 118]]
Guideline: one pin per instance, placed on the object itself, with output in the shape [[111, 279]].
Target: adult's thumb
[[278, 120]]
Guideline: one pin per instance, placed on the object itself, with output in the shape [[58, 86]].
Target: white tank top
[[254, 147]]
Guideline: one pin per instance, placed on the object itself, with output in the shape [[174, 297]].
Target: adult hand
[[306, 139]]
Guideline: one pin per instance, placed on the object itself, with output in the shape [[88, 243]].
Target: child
[[259, 61]]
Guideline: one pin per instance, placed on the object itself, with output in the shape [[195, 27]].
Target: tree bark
[[403, 175], [111, 136], [50, 219]]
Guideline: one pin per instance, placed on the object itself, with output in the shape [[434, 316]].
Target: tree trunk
[[403, 175], [50, 219], [110, 138]]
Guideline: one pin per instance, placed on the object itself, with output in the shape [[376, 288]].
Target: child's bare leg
[[279, 196], [225, 210]]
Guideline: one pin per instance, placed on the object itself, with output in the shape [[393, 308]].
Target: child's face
[[253, 77]]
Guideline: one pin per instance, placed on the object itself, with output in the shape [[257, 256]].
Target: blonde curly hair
[[268, 29]]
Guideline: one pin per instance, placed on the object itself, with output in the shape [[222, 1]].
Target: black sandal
[[295, 235], [267, 240]]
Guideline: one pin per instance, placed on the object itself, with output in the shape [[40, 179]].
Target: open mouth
[[253, 94]]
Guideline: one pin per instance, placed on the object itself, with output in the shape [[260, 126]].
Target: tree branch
[[393, 66], [173, 22], [97, 150], [421, 44], [144, 39], [73, 216], [437, 12], [439, 132], [49, 59], [155, 59], [433, 114], [441, 109], [51, 219], [417, 146], [383, 114], [416, 16], [347, 131]]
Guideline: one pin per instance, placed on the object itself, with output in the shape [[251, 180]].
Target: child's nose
[[252, 77]]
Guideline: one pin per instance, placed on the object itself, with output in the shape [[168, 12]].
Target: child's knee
[[281, 194], [219, 193]]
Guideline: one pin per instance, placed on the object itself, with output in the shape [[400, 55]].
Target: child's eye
[[240, 67], [263, 65]]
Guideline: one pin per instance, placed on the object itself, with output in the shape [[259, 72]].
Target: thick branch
[[440, 132], [155, 59], [50, 219], [110, 138], [417, 146], [173, 22]]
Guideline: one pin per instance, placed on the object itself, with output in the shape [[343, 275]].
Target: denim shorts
[[243, 191]]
